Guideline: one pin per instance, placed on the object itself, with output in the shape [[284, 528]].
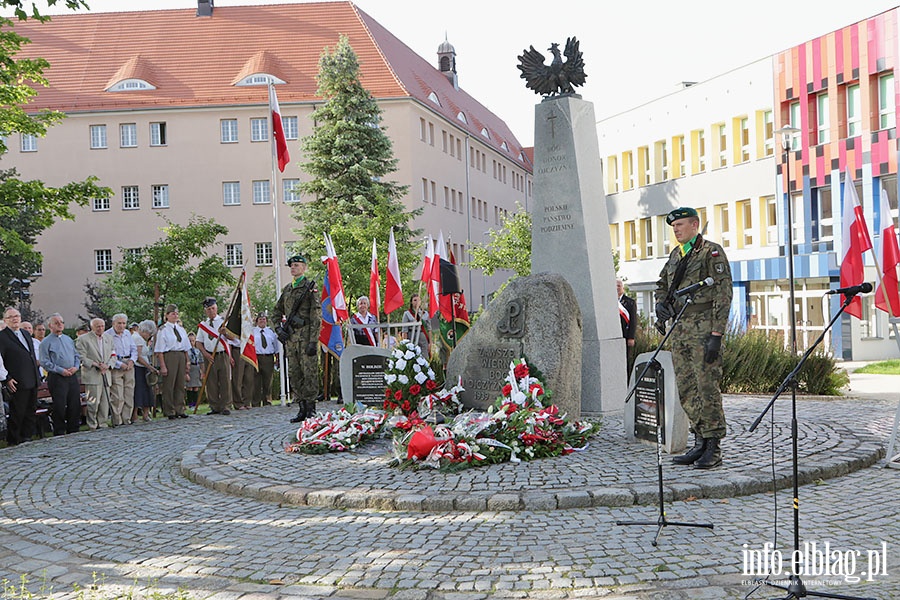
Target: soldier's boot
[[310, 408], [712, 455], [689, 457], [301, 411]]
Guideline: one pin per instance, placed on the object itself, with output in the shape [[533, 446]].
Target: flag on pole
[[281, 149], [855, 235], [434, 290], [338, 301], [454, 320], [374, 282], [393, 291], [240, 322], [888, 257], [330, 334], [426, 264]]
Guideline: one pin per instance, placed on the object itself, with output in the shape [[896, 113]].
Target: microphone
[[863, 288], [694, 287]]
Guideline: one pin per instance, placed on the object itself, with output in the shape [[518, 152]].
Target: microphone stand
[[653, 363], [796, 588]]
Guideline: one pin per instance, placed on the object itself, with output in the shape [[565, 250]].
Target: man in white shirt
[[121, 392], [266, 355], [171, 351], [212, 346]]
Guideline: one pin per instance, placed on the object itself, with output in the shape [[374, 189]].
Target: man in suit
[[22, 377], [96, 352], [628, 316]]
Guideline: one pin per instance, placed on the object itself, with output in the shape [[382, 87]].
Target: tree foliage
[[261, 289], [509, 248], [22, 12], [349, 155], [180, 265]]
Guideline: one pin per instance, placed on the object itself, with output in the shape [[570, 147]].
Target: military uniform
[[304, 324], [698, 379]]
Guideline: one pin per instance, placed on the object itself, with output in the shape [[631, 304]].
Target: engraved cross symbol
[[552, 117]]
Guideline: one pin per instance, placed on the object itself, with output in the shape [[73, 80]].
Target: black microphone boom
[[863, 288], [694, 287]]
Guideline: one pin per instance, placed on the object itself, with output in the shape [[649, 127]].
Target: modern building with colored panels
[[712, 145], [169, 108]]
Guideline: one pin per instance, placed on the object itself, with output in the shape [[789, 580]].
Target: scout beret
[[296, 258], [681, 213], [209, 301]]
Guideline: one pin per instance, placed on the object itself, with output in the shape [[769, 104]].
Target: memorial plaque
[[645, 403], [640, 412], [485, 377], [362, 374]]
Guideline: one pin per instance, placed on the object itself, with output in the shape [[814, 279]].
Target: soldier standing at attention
[[697, 343], [297, 319]]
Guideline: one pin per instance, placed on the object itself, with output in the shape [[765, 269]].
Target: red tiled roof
[[194, 61]]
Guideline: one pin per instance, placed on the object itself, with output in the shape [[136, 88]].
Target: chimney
[[204, 8]]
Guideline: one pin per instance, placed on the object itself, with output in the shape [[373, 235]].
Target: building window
[[264, 254], [744, 210], [431, 134], [698, 155], [643, 166], [631, 242], [229, 128], [770, 210], [259, 130], [130, 198], [799, 217], [662, 161], [157, 134], [234, 255], [680, 147], [103, 261], [744, 125], [100, 204], [627, 171], [887, 109], [768, 133], [422, 129], [231, 193], [822, 119], [98, 137], [261, 191], [447, 198], [795, 122], [868, 325], [29, 143], [160, 195], [664, 233], [291, 128], [823, 227], [854, 121], [128, 135], [290, 190], [612, 175], [722, 144], [724, 219], [647, 234], [133, 253]]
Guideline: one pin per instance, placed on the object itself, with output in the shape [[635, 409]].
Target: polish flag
[[434, 289], [281, 149], [855, 234], [888, 257], [374, 282], [426, 265], [393, 292], [338, 301]]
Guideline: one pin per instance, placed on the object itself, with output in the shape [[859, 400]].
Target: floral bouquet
[[409, 379], [337, 431]]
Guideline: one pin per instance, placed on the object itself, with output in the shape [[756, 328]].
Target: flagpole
[[276, 248]]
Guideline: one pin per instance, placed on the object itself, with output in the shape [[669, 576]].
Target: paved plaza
[[213, 505]]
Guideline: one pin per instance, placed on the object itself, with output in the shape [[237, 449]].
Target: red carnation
[[507, 390], [405, 406], [398, 395], [388, 393], [535, 386], [414, 389], [521, 371], [430, 384]]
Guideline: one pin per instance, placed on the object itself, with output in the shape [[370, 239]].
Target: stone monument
[[640, 412], [536, 317]]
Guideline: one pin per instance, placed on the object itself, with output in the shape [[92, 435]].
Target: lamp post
[[785, 133]]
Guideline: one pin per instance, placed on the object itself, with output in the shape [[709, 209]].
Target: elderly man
[[121, 391], [211, 342], [96, 352], [266, 350], [61, 361], [22, 379]]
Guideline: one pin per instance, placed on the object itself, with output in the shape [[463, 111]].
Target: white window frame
[[160, 194], [158, 134], [28, 143], [231, 193], [887, 109], [289, 190], [262, 191], [100, 204], [794, 111], [228, 131], [854, 112], [822, 118], [131, 199], [103, 261], [264, 256], [291, 126], [259, 129], [234, 255], [128, 135], [98, 137]]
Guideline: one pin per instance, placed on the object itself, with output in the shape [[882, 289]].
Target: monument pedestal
[[570, 236], [362, 374], [640, 412]]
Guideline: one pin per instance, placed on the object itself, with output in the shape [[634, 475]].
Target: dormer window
[[433, 97], [259, 79], [130, 85], [462, 117], [485, 133], [504, 146]]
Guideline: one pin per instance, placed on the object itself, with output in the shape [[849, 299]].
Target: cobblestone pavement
[[116, 503]]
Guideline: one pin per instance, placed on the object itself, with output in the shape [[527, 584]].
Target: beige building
[[169, 109]]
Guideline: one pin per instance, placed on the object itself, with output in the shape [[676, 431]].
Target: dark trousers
[[263, 391], [22, 422], [66, 403]]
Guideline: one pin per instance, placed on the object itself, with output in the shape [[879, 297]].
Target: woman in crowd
[[364, 336], [415, 314], [195, 360], [143, 391]]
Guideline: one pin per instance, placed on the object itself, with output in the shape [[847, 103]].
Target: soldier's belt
[[694, 309]]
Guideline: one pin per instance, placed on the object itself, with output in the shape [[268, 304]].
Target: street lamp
[[786, 133]]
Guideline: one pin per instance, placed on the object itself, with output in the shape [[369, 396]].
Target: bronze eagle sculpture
[[557, 78]]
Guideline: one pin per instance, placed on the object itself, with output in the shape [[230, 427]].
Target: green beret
[[681, 213], [296, 258]]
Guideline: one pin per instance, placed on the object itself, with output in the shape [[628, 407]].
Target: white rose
[[430, 374], [420, 378], [400, 364], [390, 378], [409, 355], [403, 379], [417, 368]]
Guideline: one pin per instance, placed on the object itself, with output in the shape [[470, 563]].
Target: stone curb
[[217, 476]]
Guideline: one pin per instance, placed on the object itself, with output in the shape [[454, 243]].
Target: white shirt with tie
[[167, 341]]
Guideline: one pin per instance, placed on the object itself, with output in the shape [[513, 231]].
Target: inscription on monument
[[483, 383], [645, 401], [368, 379], [512, 322]]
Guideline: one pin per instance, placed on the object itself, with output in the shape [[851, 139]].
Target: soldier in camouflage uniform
[[697, 342], [298, 314]]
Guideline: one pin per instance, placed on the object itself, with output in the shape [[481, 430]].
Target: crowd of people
[[125, 374]]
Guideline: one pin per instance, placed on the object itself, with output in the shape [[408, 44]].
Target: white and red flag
[[240, 322], [281, 149], [374, 282], [426, 264], [887, 256], [434, 288], [855, 235], [393, 291], [338, 301]]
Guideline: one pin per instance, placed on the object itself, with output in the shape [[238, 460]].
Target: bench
[[43, 412]]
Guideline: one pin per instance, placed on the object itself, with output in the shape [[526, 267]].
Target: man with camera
[[211, 342], [297, 318]]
